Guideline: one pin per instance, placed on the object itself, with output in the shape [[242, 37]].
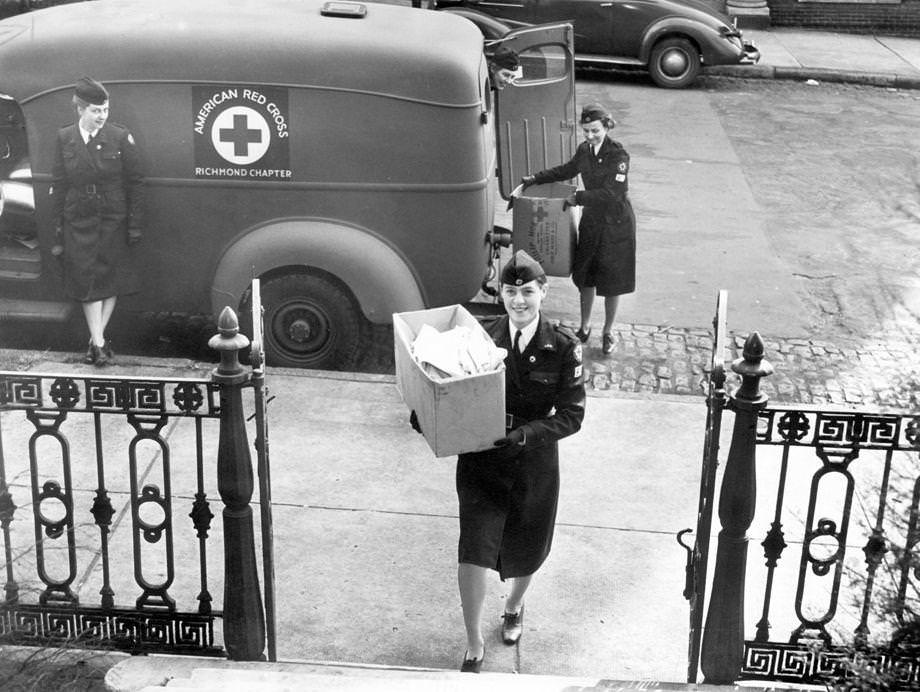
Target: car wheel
[[674, 63], [310, 322]]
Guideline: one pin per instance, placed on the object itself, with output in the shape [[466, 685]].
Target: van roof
[[395, 50]]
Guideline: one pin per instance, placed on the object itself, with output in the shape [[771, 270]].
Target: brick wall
[[887, 17]]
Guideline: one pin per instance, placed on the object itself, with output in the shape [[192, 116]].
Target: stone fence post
[[244, 618]]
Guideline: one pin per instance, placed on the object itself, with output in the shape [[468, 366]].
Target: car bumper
[[750, 54]]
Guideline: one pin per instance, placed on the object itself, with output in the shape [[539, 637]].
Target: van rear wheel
[[310, 322]]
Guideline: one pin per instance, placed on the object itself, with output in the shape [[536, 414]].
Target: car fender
[[379, 277], [709, 42]]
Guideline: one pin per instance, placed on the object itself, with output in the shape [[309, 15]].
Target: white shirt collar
[[86, 134], [527, 332]]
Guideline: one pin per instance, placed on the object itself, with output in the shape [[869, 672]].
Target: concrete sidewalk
[[803, 54], [366, 529]]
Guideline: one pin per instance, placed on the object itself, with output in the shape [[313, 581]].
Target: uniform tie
[[517, 344]]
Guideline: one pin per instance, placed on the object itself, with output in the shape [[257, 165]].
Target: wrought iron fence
[[855, 563], [60, 502], [122, 505], [840, 581]]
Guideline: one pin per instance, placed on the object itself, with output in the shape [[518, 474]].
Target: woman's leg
[[586, 296], [108, 307], [92, 313], [610, 312], [472, 582], [516, 598]]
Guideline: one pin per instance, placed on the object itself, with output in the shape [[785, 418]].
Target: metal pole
[[723, 639], [257, 360], [244, 619]]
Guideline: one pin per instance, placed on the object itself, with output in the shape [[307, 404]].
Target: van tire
[[311, 321]]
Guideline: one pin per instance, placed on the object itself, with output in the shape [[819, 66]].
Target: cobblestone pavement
[[882, 373]]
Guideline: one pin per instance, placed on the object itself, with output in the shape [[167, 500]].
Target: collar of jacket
[[545, 336]]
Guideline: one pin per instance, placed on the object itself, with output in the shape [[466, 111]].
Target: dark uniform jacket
[[606, 253], [508, 495], [97, 190]]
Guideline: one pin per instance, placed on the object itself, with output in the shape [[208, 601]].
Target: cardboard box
[[456, 414], [543, 229]]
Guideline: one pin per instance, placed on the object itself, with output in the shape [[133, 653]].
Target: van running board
[[35, 310]]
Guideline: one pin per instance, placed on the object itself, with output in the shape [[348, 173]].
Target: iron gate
[[116, 476], [839, 517]]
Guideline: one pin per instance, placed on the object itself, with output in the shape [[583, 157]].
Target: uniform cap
[[505, 58], [594, 111], [91, 91], [522, 269]]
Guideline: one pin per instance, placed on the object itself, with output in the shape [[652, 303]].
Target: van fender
[[378, 276]]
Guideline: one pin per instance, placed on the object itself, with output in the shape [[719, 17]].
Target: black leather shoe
[[608, 343], [101, 359], [108, 352], [513, 626], [91, 353], [472, 665], [583, 335]]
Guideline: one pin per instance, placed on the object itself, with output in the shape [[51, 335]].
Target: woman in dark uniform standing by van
[[605, 258], [97, 186]]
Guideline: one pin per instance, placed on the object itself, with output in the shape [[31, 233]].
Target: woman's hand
[[516, 437], [569, 201], [527, 181]]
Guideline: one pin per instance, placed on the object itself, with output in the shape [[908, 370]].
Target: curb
[[820, 74]]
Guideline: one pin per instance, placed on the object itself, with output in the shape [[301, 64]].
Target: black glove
[[510, 445], [528, 180], [514, 437], [569, 202], [134, 236], [413, 421]]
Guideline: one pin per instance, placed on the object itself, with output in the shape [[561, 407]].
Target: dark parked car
[[672, 39]]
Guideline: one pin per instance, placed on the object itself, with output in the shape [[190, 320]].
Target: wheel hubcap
[[299, 331], [674, 63], [302, 330]]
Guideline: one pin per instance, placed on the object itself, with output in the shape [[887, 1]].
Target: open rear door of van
[[535, 117]]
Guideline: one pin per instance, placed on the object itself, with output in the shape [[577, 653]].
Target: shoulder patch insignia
[[131, 138], [620, 178], [577, 352], [577, 373], [622, 166]]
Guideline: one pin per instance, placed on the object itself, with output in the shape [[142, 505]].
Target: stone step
[[222, 680], [184, 673]]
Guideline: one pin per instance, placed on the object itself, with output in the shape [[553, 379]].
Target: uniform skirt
[[98, 263], [605, 257], [508, 510]]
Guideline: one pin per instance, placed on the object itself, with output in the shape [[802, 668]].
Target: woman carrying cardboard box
[[508, 495], [605, 257]]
